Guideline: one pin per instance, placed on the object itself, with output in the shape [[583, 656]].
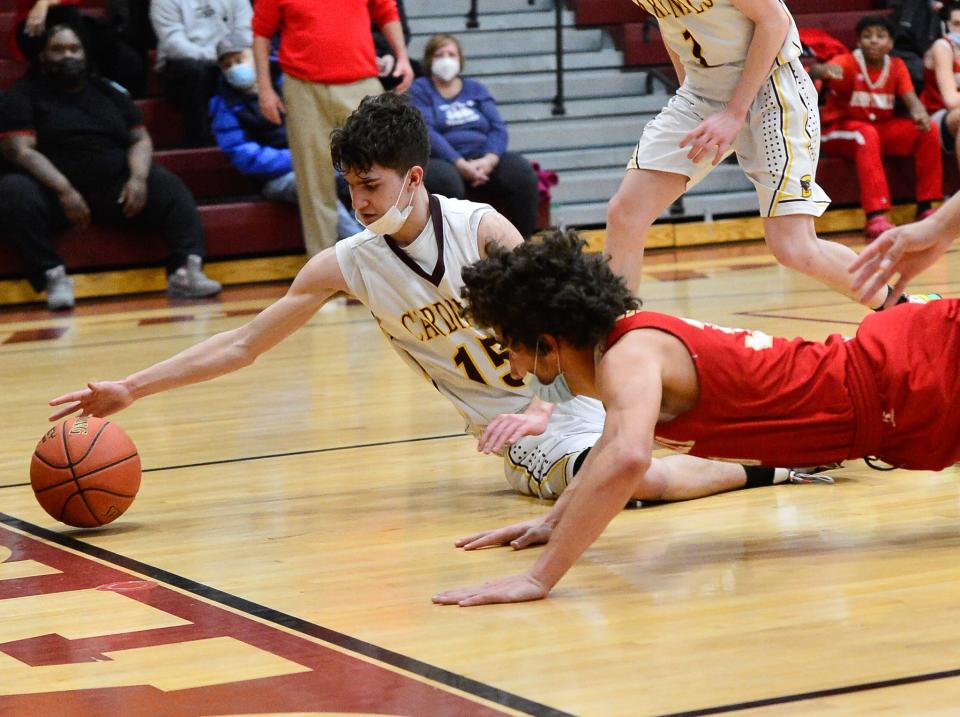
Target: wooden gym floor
[[296, 517]]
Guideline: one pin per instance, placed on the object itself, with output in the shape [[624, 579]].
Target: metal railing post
[[558, 106], [472, 20]]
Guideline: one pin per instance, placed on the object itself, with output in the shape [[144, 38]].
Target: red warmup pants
[[867, 142]]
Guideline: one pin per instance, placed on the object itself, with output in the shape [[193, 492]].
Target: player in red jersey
[[858, 123], [709, 391]]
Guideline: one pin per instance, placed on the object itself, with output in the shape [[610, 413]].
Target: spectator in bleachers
[[940, 93], [108, 54], [329, 65], [468, 139], [82, 155], [917, 25], [859, 123], [255, 146], [187, 35]]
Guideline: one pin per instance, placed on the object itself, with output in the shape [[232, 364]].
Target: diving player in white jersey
[[742, 90], [406, 268]]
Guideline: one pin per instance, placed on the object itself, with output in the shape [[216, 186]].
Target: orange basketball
[[85, 471]]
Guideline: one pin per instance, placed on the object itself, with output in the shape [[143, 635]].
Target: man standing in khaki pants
[[327, 55]]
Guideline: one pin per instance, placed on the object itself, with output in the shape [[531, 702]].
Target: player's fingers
[[69, 397], [529, 537], [469, 538], [66, 411], [492, 538]]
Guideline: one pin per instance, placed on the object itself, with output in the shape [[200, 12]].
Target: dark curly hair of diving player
[[547, 285]]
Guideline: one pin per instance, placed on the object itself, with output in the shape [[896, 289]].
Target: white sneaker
[[189, 281], [59, 289]]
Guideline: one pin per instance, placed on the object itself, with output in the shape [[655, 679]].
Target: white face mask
[[557, 391], [393, 219], [446, 68]]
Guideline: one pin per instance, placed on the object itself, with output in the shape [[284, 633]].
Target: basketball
[[85, 471]]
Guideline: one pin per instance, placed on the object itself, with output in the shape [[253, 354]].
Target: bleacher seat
[[232, 230]]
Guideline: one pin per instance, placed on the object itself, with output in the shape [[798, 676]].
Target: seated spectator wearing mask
[[188, 32], [108, 54], [255, 146], [82, 155], [468, 139]]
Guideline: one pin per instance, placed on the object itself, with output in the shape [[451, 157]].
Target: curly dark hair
[[385, 129], [548, 285], [868, 21]]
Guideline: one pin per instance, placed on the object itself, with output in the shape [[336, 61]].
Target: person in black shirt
[[82, 155]]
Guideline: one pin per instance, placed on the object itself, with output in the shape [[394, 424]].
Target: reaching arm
[[219, 354], [906, 251], [771, 24], [629, 381]]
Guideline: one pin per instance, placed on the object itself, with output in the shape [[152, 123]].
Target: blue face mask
[[557, 391], [242, 76]]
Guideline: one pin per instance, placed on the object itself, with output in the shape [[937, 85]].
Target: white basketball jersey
[[711, 38], [414, 293]]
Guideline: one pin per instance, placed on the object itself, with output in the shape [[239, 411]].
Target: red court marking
[[676, 275], [26, 335], [336, 682], [164, 320], [127, 586]]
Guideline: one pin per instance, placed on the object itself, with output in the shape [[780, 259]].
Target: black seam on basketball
[[111, 465], [108, 492], [66, 453], [55, 485], [48, 463], [79, 492], [93, 442]]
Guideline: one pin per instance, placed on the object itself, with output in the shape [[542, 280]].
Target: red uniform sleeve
[[382, 11], [901, 75], [266, 18]]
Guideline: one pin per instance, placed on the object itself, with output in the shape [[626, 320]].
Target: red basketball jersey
[[863, 93], [930, 95], [763, 400]]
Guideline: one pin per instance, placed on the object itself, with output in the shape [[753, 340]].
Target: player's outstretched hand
[[716, 132], [510, 427], [97, 399], [516, 588], [518, 536], [906, 250]]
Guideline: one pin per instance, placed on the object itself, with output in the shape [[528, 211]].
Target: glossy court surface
[[296, 517]]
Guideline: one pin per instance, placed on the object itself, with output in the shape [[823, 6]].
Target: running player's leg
[[644, 194], [658, 172], [778, 150]]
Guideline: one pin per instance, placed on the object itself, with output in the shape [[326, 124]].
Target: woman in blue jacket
[[468, 139]]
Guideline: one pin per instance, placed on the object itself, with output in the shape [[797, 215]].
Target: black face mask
[[66, 73]]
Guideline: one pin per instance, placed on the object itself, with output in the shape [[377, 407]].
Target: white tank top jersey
[[711, 38], [414, 294]]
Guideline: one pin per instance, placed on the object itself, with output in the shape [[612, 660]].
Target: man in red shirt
[[859, 123], [705, 390], [328, 59]]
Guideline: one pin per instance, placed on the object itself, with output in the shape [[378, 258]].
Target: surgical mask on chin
[[954, 37], [557, 391], [393, 219], [446, 68], [242, 76]]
